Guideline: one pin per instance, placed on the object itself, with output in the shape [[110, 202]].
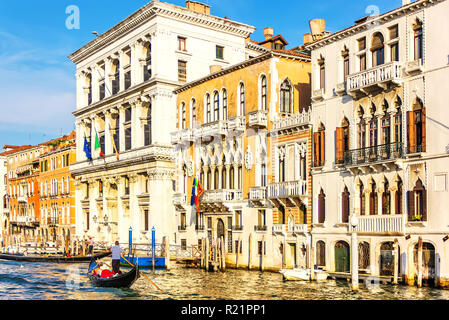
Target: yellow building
[[57, 192], [244, 133]]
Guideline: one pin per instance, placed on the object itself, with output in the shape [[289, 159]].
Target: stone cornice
[[157, 8], [383, 18]]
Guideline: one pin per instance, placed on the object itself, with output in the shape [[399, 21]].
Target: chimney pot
[[268, 33], [317, 26]]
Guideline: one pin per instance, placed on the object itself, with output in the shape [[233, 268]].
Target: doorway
[[342, 257]]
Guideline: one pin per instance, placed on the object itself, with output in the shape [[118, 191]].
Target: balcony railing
[[200, 228], [257, 193], [52, 221], [287, 189], [377, 76], [260, 228], [292, 121], [300, 228], [258, 119], [236, 124], [415, 66], [385, 224], [416, 149], [222, 196], [212, 129], [182, 228], [384, 152], [280, 229], [179, 199], [237, 228], [318, 94], [182, 136]]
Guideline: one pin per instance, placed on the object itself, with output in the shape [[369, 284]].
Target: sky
[[37, 80]]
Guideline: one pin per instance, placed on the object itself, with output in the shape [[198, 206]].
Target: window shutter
[[411, 131], [424, 129], [339, 145], [371, 203], [424, 205], [322, 147], [316, 139], [411, 204], [321, 208], [345, 208]]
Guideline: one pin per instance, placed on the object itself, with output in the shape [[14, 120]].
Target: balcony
[[219, 200], [52, 221], [340, 89], [214, 129], [300, 229], [374, 79], [260, 228], [258, 196], [236, 124], [293, 123], [237, 228], [392, 225], [318, 95], [182, 228], [280, 229], [258, 119], [414, 67], [200, 227], [385, 154], [180, 201], [289, 194], [143, 199], [22, 199]]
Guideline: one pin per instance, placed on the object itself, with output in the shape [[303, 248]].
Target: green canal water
[[31, 281]]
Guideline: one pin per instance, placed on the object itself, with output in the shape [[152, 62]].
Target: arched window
[[319, 145], [242, 100], [116, 78], [417, 202], [321, 254], [345, 206], [216, 179], [373, 202], [208, 109], [216, 106], [263, 93], [147, 66], [225, 104], [386, 199], [342, 140], [321, 207], [223, 178], [377, 48], [418, 40], [416, 127], [231, 178], [398, 198], [183, 116], [286, 100], [362, 199], [193, 113]]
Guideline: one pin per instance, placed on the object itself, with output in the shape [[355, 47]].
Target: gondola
[[124, 280], [53, 259]]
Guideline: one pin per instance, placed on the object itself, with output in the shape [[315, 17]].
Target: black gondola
[[53, 259], [125, 280]]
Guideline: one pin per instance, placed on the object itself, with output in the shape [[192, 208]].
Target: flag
[[113, 143], [197, 192], [87, 149], [98, 145]]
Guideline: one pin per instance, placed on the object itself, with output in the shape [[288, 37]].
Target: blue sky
[[37, 80]]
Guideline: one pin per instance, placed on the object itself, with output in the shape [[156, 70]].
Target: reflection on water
[[34, 281]]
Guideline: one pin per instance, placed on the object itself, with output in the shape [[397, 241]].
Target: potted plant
[[417, 218]]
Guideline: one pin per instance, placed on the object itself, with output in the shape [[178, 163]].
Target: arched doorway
[[321, 254], [220, 229], [341, 257], [387, 259], [364, 257], [428, 262]]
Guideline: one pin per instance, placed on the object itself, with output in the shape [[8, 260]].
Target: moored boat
[[299, 274], [124, 280], [53, 258]]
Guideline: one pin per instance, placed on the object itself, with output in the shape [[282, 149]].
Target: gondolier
[[91, 246], [116, 254]]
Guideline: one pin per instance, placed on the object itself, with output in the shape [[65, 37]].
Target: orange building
[[244, 133], [57, 192]]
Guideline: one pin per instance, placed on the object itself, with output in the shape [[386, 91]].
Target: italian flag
[[98, 145], [197, 192]]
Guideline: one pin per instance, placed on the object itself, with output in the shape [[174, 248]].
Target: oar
[[143, 275]]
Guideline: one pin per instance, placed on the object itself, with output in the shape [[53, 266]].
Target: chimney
[[215, 68], [268, 33], [317, 26], [307, 38], [198, 7], [405, 2]]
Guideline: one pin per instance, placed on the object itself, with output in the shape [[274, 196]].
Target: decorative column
[[228, 172], [380, 193], [236, 176], [205, 184], [220, 177], [212, 178]]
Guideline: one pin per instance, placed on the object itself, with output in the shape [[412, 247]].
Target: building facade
[[376, 103], [57, 192], [244, 134], [4, 200], [125, 83]]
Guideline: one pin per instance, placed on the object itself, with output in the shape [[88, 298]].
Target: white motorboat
[[299, 274]]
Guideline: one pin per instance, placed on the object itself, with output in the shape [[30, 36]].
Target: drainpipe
[[311, 192]]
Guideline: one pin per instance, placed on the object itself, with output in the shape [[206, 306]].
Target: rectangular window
[[102, 90], [362, 62], [394, 32], [394, 52], [126, 186], [362, 44], [183, 244], [219, 52], [418, 44], [322, 75], [346, 66], [182, 71], [182, 44]]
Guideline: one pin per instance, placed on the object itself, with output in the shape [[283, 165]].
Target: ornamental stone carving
[[248, 159]]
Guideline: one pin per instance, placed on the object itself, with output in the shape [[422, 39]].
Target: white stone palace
[[381, 134], [125, 81]]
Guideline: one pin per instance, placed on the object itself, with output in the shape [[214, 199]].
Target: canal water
[[33, 281]]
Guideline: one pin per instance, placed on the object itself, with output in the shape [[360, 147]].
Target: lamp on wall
[[446, 238], [407, 237]]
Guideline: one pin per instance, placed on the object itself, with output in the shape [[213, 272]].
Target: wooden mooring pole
[[419, 262], [396, 261]]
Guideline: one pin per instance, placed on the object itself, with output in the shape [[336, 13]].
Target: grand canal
[[20, 281]]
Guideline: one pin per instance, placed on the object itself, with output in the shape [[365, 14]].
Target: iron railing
[[384, 152]]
